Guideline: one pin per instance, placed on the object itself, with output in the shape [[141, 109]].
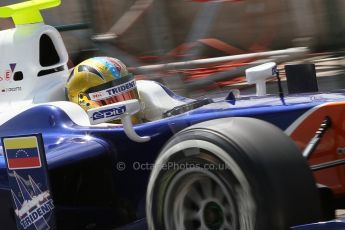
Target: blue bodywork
[[89, 188], [331, 225]]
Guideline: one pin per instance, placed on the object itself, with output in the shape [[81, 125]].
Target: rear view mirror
[[258, 75]]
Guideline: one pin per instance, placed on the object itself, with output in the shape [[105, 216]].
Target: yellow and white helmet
[[100, 81]]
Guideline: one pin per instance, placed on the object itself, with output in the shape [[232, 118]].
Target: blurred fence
[[155, 32], [161, 30]]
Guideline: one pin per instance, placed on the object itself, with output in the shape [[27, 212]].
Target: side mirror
[[258, 75], [120, 110]]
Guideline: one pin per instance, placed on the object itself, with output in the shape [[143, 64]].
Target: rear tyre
[[231, 173]]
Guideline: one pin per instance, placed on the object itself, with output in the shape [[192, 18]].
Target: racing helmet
[[100, 81]]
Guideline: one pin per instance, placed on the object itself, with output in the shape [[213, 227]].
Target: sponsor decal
[[97, 96], [109, 113], [37, 213], [28, 181], [12, 89], [318, 98], [13, 66], [35, 204], [8, 74], [113, 91]]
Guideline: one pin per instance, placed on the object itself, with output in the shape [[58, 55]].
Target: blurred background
[[150, 32]]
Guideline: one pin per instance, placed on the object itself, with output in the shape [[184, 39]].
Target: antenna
[[27, 12]]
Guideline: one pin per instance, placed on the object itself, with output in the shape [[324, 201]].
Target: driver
[[101, 81]]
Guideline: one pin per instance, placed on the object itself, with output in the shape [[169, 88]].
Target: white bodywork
[[19, 48], [155, 101]]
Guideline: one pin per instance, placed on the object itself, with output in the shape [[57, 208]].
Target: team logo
[[34, 204], [114, 91], [121, 88]]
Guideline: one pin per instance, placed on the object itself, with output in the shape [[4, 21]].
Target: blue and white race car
[[230, 163]]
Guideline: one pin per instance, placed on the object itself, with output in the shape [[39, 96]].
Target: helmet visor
[[114, 91]]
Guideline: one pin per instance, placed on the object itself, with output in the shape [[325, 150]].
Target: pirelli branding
[[113, 91]]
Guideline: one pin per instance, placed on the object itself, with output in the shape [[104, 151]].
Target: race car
[[221, 163]]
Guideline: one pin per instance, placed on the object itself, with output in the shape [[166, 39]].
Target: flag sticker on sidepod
[[22, 153], [28, 181]]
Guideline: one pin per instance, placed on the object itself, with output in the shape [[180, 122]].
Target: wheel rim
[[198, 199], [159, 216], [213, 215]]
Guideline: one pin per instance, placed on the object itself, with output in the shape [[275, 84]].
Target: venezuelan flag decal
[[22, 153], [28, 180]]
